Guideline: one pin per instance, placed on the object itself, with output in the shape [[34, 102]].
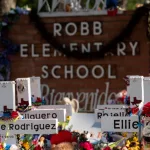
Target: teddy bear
[[63, 146], [64, 140], [74, 103]]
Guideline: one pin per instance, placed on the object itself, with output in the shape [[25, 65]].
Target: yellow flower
[[127, 143], [124, 134], [133, 148], [68, 118], [135, 139], [26, 145]]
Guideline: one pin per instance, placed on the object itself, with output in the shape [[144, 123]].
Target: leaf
[[115, 143]]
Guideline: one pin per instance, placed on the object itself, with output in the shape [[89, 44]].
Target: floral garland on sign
[[10, 48]]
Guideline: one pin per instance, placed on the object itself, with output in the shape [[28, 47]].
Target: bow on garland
[[10, 48]]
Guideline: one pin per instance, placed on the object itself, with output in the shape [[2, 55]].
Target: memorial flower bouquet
[[132, 143], [63, 140], [146, 110], [62, 125], [86, 146]]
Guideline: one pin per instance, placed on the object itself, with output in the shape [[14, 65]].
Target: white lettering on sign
[[59, 114], [48, 51], [112, 106], [120, 124], [72, 72], [84, 28], [93, 98], [48, 126], [46, 48], [109, 112], [67, 107]]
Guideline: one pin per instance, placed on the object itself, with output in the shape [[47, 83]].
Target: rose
[[86, 145], [146, 109]]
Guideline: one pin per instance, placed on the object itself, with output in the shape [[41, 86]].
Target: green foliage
[[30, 3], [132, 4]]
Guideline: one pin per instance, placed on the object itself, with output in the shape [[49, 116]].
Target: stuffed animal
[[84, 141], [64, 140], [74, 103], [63, 146]]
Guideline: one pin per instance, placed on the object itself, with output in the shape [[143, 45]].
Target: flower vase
[[112, 12]]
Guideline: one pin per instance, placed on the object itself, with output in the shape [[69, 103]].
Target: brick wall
[[24, 32]]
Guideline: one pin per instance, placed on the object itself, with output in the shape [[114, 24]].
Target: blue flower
[[111, 4], [22, 11]]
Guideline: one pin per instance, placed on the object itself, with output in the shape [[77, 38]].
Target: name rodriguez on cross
[[29, 126]]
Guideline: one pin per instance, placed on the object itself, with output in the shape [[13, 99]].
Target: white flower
[[14, 147], [11, 12], [4, 23]]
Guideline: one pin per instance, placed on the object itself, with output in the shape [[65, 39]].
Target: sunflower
[[124, 134]]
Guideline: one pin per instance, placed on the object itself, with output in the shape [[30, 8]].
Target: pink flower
[[35, 142]]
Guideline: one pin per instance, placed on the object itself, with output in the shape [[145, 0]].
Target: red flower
[[86, 145], [146, 109], [38, 148], [107, 148], [121, 96], [14, 114], [38, 100], [112, 12], [35, 142], [62, 136], [135, 110]]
